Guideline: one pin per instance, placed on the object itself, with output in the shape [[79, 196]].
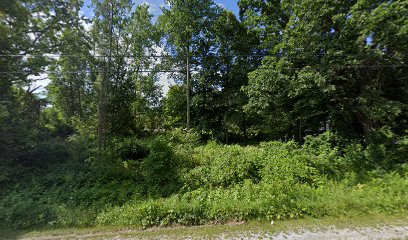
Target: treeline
[[283, 70]]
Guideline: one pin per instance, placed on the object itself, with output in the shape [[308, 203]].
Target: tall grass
[[157, 182]]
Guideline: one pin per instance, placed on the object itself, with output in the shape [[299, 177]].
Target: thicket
[[164, 181]]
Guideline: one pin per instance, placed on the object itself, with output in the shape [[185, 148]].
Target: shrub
[[181, 136], [324, 154], [151, 163], [138, 183], [160, 168], [386, 150], [222, 165], [267, 200], [287, 164], [23, 209], [225, 166]]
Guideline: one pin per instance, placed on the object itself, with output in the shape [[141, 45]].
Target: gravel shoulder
[[363, 227], [373, 233]]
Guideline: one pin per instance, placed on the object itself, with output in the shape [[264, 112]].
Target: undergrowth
[[164, 182]]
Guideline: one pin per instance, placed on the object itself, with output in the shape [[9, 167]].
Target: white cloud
[[164, 78], [153, 8], [39, 83], [166, 82], [221, 5], [87, 25]]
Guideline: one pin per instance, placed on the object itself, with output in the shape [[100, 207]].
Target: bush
[[138, 182], [151, 164], [324, 154], [181, 136], [160, 168], [286, 163], [23, 209], [386, 150], [222, 165], [265, 201], [46, 154]]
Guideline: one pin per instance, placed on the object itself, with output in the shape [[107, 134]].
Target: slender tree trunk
[[225, 129], [79, 86], [103, 120], [188, 89], [72, 97], [102, 111], [367, 125], [79, 102], [244, 127]]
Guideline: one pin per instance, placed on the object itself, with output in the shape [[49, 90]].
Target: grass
[[209, 231], [207, 185]]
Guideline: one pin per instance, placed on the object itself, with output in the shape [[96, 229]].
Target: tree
[[70, 90], [185, 23], [266, 18], [225, 62], [174, 107], [320, 76], [27, 32], [127, 36]]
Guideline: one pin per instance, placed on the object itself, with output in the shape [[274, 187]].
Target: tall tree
[[70, 89], [126, 50], [185, 23], [106, 15], [225, 61]]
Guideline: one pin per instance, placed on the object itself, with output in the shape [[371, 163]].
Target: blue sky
[[231, 5]]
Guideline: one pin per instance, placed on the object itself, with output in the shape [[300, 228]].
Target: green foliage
[[329, 65], [222, 166], [313, 68], [73, 192], [160, 168], [174, 106], [286, 163], [46, 154], [326, 155], [126, 149], [154, 182], [18, 211], [386, 149], [183, 137], [274, 181], [265, 201], [67, 194], [152, 163]]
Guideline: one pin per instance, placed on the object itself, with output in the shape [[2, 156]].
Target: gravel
[[331, 233]]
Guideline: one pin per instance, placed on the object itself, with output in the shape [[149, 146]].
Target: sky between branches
[[154, 6]]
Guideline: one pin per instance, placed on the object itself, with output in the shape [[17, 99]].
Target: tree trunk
[[188, 89], [103, 120], [102, 112]]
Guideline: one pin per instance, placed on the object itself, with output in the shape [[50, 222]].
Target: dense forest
[[294, 108]]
